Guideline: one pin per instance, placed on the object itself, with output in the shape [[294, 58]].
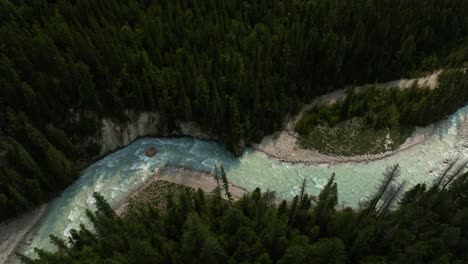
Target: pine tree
[[225, 184]]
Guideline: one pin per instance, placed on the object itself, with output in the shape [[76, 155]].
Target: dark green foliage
[[389, 108], [371, 119], [236, 68], [32, 167], [430, 225]]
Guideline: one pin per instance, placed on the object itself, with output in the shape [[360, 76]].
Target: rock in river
[[150, 152]]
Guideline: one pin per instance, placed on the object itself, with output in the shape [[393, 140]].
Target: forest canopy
[[238, 69]]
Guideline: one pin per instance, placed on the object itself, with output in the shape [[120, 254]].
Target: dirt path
[[285, 147]]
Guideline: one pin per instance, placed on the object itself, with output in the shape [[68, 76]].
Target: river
[[118, 173]]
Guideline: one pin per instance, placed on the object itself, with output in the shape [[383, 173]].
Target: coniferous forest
[[429, 226], [387, 108], [238, 69]]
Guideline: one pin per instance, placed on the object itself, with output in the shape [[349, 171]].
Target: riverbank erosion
[[285, 147], [285, 144], [115, 134], [169, 179]]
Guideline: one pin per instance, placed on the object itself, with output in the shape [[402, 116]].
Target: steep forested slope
[[237, 68]]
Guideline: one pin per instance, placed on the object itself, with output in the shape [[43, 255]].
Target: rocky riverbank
[[115, 134], [284, 145], [17, 232]]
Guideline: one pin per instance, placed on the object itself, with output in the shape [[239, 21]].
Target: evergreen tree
[[253, 230], [236, 69]]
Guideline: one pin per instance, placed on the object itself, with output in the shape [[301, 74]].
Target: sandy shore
[[177, 175], [429, 81], [284, 145], [463, 132], [17, 232]]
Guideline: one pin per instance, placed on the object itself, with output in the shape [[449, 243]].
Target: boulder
[[150, 152]]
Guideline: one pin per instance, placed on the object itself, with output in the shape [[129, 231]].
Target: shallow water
[[118, 173]]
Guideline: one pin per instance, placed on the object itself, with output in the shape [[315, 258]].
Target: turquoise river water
[[118, 173]]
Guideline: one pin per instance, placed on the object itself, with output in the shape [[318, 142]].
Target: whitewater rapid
[[118, 173]]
